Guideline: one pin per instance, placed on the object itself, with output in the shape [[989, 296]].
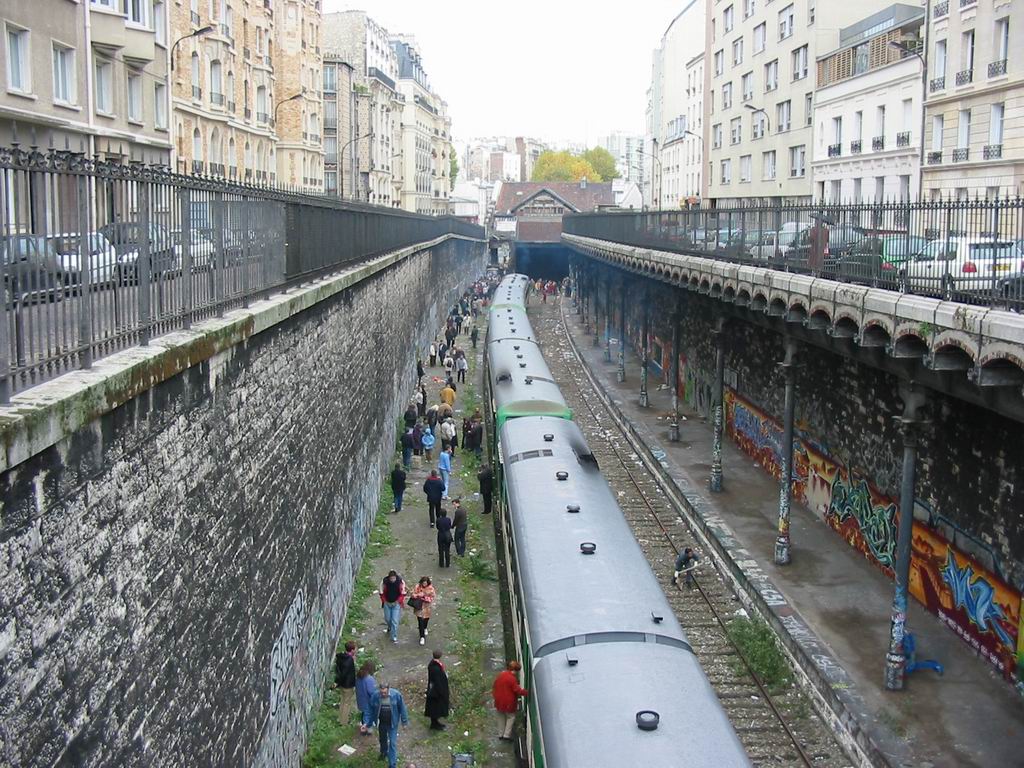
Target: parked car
[[842, 239], [102, 257], [953, 266], [876, 259], [764, 245], [32, 270], [126, 237]]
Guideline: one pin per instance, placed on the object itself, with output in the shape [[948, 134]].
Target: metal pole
[[608, 320], [718, 405], [185, 207], [645, 353], [909, 424], [217, 204], [673, 427], [782, 541], [620, 374], [85, 319], [144, 265]]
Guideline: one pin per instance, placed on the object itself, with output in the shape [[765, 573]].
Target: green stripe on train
[[503, 306], [532, 408]]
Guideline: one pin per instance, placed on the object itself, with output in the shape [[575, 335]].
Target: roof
[[575, 195]]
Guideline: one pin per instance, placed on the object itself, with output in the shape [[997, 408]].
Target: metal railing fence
[[970, 251], [99, 255]]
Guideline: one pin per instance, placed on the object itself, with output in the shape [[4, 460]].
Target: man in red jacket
[[506, 692]]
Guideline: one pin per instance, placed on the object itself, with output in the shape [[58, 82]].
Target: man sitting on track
[[686, 562]]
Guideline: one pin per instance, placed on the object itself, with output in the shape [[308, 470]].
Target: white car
[[955, 266], [102, 258]]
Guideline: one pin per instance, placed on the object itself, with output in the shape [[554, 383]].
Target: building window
[[768, 165], [963, 136], [771, 76], [104, 87], [736, 130], [760, 33], [783, 115], [837, 130], [835, 192], [797, 155], [758, 124], [995, 125], [331, 149], [197, 146], [160, 106], [940, 59], [800, 63], [727, 96], [1002, 38], [967, 50], [745, 168], [197, 81], [938, 128], [716, 136], [135, 97], [737, 51], [331, 182], [880, 122], [858, 125], [860, 58], [330, 78], [64, 74], [727, 171], [786, 22], [19, 75], [748, 86], [809, 108], [138, 12], [160, 22], [748, 8], [727, 19], [216, 92]]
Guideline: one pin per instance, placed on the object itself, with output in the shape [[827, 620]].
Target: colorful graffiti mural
[[972, 601]]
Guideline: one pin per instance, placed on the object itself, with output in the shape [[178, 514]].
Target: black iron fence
[[98, 255], [968, 251]]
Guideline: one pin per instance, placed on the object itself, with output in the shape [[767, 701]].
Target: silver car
[[102, 257]]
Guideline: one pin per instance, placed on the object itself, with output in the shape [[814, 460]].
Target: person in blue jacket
[[444, 463], [366, 688], [388, 709]]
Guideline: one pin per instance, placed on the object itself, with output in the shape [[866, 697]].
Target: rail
[[99, 255], [970, 251]]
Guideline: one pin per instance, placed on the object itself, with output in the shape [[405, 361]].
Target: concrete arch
[[759, 303], [845, 327], [743, 297], [729, 294], [953, 339], [776, 307], [909, 346], [875, 334]]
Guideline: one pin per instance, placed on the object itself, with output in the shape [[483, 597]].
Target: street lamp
[[277, 106], [905, 49], [197, 33], [755, 110], [341, 161], [661, 173]]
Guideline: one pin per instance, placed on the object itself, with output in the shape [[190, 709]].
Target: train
[[612, 678]]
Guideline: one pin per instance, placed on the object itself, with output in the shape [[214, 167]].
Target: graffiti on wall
[[967, 597]]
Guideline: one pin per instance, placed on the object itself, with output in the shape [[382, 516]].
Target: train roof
[[572, 598], [509, 322], [521, 382], [511, 290], [588, 710]]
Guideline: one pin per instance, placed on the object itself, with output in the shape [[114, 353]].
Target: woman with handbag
[[423, 596]]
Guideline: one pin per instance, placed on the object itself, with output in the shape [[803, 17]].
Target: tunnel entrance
[[547, 261]]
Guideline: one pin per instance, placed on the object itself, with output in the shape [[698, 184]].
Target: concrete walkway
[[968, 717], [466, 621]]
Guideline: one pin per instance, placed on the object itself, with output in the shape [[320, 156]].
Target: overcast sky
[[553, 69]]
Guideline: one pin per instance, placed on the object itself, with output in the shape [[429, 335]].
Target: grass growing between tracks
[[759, 647], [327, 734]]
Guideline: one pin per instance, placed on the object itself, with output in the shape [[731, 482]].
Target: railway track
[[778, 728]]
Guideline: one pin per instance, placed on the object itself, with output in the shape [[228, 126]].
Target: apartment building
[[370, 158], [339, 97], [87, 76], [675, 116], [624, 148], [426, 135], [975, 102], [223, 89], [759, 99], [868, 110]]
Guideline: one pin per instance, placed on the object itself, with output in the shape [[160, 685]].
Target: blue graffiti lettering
[[976, 596], [760, 432], [877, 523]]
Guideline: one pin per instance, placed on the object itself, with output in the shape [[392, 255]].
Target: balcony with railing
[[376, 73], [835, 150], [967, 3], [937, 84], [934, 158], [225, 31], [263, 117], [997, 68], [216, 169], [197, 92], [231, 107], [961, 155], [855, 147], [197, 166], [878, 143], [992, 152], [217, 98], [965, 77], [941, 10], [315, 138], [247, 113], [903, 139]]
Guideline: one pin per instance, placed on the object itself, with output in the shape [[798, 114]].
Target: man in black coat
[[398, 485], [444, 540], [437, 693], [434, 489], [345, 679], [486, 480]]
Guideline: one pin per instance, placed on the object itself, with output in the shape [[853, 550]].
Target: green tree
[[563, 166], [453, 166], [602, 161]]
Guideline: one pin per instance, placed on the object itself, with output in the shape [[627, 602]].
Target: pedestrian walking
[[392, 598], [432, 416], [476, 436], [486, 480], [444, 412], [506, 693], [686, 562], [447, 395], [421, 403], [449, 363], [417, 439], [444, 463], [420, 373], [442, 351], [460, 524], [461, 366], [410, 415], [428, 440], [437, 693], [474, 335], [407, 447], [366, 686], [389, 710], [433, 354], [398, 485], [345, 680], [444, 540], [433, 487], [422, 602]]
